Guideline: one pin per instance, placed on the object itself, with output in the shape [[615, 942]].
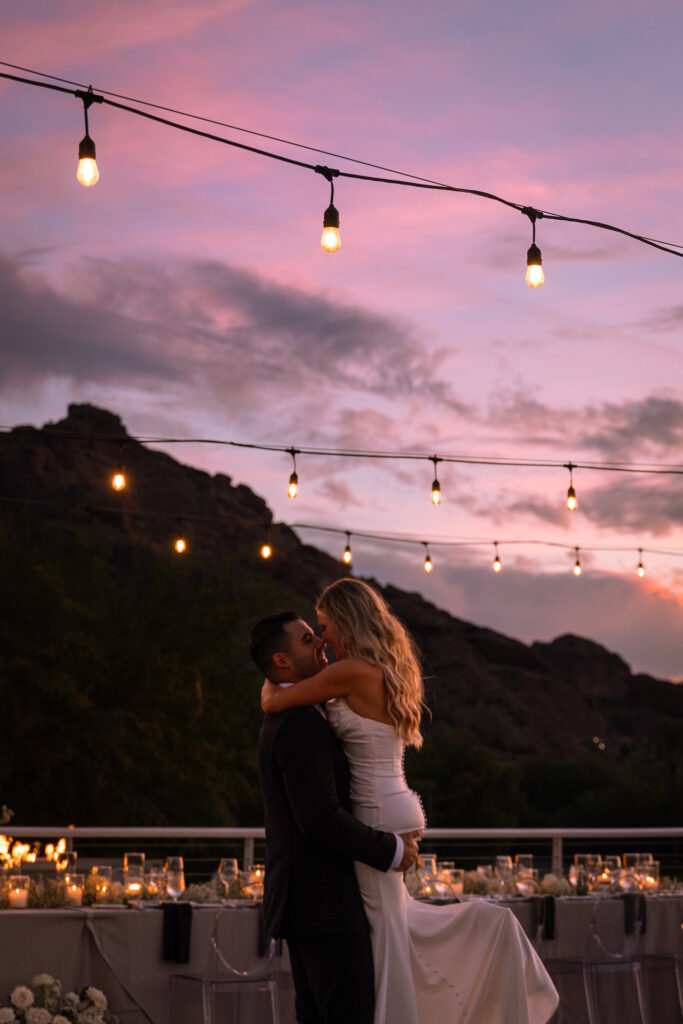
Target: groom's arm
[[302, 754]]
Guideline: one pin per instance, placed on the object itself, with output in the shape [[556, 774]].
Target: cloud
[[641, 624], [653, 506], [220, 332], [628, 431], [667, 319], [654, 423]]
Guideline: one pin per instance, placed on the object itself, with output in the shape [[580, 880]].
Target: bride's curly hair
[[368, 631]]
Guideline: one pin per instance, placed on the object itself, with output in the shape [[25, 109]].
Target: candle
[[18, 898], [74, 890], [74, 894]]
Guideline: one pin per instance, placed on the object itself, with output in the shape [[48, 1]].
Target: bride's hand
[[269, 695]]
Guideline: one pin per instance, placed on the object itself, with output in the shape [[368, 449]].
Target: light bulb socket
[[86, 149], [331, 217], [533, 256]]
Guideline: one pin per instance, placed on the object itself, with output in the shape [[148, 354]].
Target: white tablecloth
[[120, 951]]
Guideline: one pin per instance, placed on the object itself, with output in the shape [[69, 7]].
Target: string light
[[266, 550], [534, 267], [388, 538], [330, 240], [641, 568], [534, 262], [436, 487], [572, 502], [118, 481], [180, 544], [497, 566], [293, 487], [87, 172], [347, 557]]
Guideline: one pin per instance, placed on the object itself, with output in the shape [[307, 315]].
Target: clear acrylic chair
[[601, 985], [600, 961], [224, 994]]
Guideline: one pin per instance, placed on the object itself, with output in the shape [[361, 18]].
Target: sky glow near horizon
[[187, 291]]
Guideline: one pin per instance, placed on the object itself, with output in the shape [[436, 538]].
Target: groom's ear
[[281, 660]]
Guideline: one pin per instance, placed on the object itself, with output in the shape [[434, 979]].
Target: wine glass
[[175, 877], [228, 871]]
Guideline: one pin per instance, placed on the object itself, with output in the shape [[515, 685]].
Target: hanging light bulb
[[266, 550], [534, 261], [293, 487], [572, 500], [577, 564], [118, 481], [641, 568], [429, 565], [87, 172], [330, 240], [436, 487], [347, 557], [497, 566]]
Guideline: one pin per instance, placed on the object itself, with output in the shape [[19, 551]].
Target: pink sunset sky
[[188, 292]]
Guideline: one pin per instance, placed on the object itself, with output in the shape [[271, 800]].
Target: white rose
[[38, 1015], [22, 997], [551, 884], [70, 1001], [6, 1015], [90, 1016], [42, 981], [97, 998], [59, 1019]]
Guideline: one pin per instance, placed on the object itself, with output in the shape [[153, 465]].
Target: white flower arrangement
[[47, 1006]]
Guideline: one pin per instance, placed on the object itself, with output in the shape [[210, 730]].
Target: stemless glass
[[426, 865], [133, 873], [527, 881], [228, 871], [102, 875], [175, 877]]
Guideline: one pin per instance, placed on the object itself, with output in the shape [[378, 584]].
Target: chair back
[[219, 964]]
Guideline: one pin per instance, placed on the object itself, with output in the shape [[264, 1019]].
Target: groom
[[311, 896]]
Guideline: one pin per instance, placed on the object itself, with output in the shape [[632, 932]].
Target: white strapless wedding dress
[[465, 962]]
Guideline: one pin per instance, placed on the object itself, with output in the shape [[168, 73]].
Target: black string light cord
[[409, 181], [351, 453], [390, 538]]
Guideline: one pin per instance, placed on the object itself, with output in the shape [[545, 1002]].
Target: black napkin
[[544, 916], [549, 917], [634, 910], [177, 932]]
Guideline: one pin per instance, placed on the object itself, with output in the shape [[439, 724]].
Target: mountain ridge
[[103, 563]]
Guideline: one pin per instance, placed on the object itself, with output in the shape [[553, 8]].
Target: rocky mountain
[[109, 631]]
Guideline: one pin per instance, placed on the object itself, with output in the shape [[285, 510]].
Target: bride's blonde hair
[[368, 630]]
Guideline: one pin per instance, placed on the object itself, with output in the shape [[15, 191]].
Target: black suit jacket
[[311, 836]]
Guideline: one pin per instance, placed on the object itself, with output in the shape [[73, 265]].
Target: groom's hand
[[410, 851]]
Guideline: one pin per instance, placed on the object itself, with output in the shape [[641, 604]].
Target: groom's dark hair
[[270, 636]]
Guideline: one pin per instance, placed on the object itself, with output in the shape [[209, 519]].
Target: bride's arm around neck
[[344, 677]]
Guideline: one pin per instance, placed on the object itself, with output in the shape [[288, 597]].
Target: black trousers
[[334, 978]]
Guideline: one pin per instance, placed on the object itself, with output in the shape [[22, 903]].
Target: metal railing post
[[557, 856], [248, 855]]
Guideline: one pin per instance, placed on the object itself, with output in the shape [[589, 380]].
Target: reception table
[[119, 950]]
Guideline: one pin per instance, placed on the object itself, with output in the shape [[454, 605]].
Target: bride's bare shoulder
[[362, 669]]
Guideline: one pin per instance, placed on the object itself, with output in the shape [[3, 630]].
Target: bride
[[465, 962]]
